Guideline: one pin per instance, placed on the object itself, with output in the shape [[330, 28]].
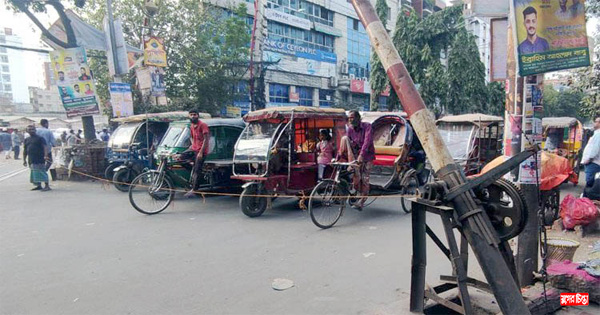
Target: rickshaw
[[129, 145], [563, 136], [393, 171], [473, 139], [152, 191], [276, 153]]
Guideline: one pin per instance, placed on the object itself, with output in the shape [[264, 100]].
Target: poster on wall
[[551, 35], [74, 80], [121, 99]]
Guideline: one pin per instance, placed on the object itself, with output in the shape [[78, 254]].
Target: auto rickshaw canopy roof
[[372, 117], [297, 111], [477, 119], [159, 117], [559, 122]]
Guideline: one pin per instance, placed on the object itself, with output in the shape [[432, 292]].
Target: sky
[[30, 34]]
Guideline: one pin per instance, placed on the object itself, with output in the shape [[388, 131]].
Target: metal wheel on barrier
[[410, 186], [151, 192]]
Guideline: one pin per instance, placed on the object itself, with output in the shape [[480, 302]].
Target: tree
[[378, 78], [562, 103], [207, 50], [496, 98]]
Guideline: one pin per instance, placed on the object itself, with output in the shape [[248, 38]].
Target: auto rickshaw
[[473, 139], [128, 147], [276, 153], [563, 136], [151, 192]]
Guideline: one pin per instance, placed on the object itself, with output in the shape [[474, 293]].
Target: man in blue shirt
[[533, 43], [48, 136]]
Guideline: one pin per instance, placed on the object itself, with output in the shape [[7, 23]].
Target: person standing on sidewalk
[[591, 155], [45, 133], [16, 143], [6, 143], [35, 154]]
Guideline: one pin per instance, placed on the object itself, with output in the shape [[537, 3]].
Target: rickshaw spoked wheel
[[326, 203], [504, 203], [410, 186], [250, 204], [151, 193]]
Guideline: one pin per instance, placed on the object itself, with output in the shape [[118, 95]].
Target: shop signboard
[[551, 35], [154, 52], [288, 19], [74, 80], [300, 51]]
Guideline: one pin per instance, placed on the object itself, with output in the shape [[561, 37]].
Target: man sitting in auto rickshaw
[[200, 136], [358, 143]]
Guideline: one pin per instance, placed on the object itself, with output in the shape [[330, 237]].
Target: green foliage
[[459, 86], [565, 103], [378, 78], [496, 98], [207, 50]]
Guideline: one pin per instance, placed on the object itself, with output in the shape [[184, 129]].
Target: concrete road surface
[[82, 249]]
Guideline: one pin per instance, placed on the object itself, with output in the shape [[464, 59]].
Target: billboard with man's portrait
[[551, 35]]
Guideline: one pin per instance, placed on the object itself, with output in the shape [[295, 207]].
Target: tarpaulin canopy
[[475, 119], [559, 122], [162, 117], [87, 36], [299, 112]]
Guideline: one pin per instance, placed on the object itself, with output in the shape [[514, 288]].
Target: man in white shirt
[[591, 155]]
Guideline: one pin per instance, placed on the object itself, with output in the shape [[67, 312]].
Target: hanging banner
[[158, 81], [74, 80], [154, 52], [121, 99], [551, 35]]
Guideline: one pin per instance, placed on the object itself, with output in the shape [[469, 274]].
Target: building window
[[289, 34], [7, 87], [4, 59], [326, 98], [279, 93], [360, 102], [5, 68], [6, 77], [305, 95], [383, 103], [359, 49], [2, 50], [303, 9], [241, 92]]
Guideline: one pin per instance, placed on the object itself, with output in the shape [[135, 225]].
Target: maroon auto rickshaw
[[276, 153]]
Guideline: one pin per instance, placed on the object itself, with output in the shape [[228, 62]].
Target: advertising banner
[[154, 52], [158, 81], [300, 51], [74, 80], [288, 19], [121, 99], [551, 35]]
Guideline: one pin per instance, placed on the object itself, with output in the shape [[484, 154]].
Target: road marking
[[11, 174]]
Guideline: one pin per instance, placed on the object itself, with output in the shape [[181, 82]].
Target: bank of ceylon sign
[[300, 51]]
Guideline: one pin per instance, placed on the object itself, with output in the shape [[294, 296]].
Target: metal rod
[[419, 259], [476, 226]]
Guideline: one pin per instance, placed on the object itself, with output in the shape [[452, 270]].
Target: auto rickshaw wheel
[[109, 172], [504, 204], [123, 177], [250, 204]]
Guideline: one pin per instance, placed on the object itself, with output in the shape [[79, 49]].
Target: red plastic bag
[[577, 211]]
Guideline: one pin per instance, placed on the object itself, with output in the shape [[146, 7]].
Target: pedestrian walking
[[79, 136], [104, 135], [35, 154], [5, 142], [45, 133], [591, 155], [200, 137], [16, 143], [63, 138], [72, 138]]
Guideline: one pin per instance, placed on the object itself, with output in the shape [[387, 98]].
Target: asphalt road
[[82, 249]]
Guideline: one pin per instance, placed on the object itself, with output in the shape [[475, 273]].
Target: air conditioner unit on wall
[[333, 82]]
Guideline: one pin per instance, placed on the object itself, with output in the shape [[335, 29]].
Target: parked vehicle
[[152, 191], [392, 173], [131, 144], [276, 153], [473, 139], [563, 136]]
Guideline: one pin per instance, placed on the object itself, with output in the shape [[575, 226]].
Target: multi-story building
[[45, 100], [13, 83], [488, 21], [321, 49]]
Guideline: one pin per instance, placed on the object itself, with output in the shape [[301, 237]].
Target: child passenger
[[325, 151]]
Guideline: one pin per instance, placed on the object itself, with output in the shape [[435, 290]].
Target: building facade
[[12, 68], [45, 101], [318, 52]]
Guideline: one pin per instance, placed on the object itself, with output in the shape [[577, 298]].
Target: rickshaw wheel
[[410, 186], [122, 179], [326, 204], [251, 205], [551, 206], [149, 196], [504, 204], [109, 172]]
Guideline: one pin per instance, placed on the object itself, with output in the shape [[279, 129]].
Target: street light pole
[[113, 42]]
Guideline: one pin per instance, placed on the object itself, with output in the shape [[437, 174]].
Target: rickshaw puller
[[200, 136], [359, 141]]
